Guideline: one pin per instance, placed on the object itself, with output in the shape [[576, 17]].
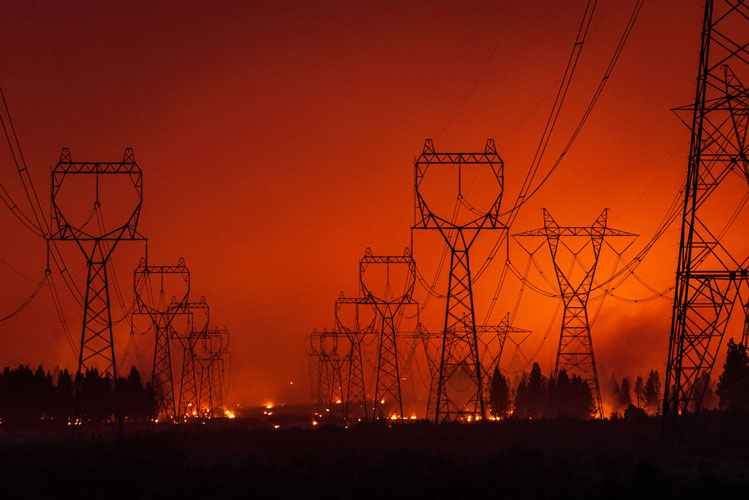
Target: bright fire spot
[[393, 417], [276, 426], [413, 417], [382, 401], [337, 401], [229, 414], [314, 422], [269, 405]]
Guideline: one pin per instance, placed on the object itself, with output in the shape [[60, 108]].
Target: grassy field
[[511, 459]]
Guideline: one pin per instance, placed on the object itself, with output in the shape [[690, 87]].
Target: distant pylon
[[355, 395], [162, 315], [388, 401], [711, 273], [188, 406], [330, 387], [211, 357], [492, 342], [97, 244], [459, 390], [575, 351]]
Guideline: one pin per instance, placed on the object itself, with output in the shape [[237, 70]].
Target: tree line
[[537, 396], [28, 396]]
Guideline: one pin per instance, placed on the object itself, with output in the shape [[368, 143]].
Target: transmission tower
[[162, 315], [460, 365], [198, 314], [330, 387], [709, 275], [355, 396], [389, 304], [97, 245], [492, 342], [211, 358], [575, 351]]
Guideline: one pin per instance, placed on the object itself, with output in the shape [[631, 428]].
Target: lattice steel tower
[[575, 351], [211, 360], [355, 395], [492, 340], [330, 386], [709, 274], [459, 390], [389, 304], [97, 245], [162, 315], [198, 313]]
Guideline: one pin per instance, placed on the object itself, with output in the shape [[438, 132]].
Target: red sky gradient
[[277, 142]]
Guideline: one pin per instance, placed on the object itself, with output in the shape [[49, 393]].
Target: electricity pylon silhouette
[[330, 387], [198, 313], [460, 366], [492, 340], [97, 245], [355, 396], [211, 357], [709, 274], [162, 315], [575, 351], [389, 304]]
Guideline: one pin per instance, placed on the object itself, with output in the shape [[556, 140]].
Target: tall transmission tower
[[162, 315], [355, 395], [575, 351], [492, 340], [329, 364], [460, 365], [97, 245], [188, 406], [389, 304], [709, 274], [211, 359]]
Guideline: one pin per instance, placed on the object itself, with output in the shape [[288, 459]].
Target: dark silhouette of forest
[[536, 396], [29, 396]]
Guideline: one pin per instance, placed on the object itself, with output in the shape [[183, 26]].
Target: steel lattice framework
[[97, 341], [575, 351], [329, 367], [389, 305], [492, 342], [211, 354], [162, 315], [460, 352], [355, 395], [709, 275], [188, 406]]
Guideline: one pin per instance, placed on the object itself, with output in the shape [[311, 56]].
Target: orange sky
[[277, 142]]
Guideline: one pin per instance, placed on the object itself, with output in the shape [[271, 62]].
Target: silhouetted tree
[[581, 398], [703, 385], [733, 384], [639, 392], [653, 391], [499, 395], [531, 395]]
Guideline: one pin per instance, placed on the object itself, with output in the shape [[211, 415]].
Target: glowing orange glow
[[293, 221]]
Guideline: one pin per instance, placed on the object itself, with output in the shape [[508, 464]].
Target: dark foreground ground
[[512, 459]]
